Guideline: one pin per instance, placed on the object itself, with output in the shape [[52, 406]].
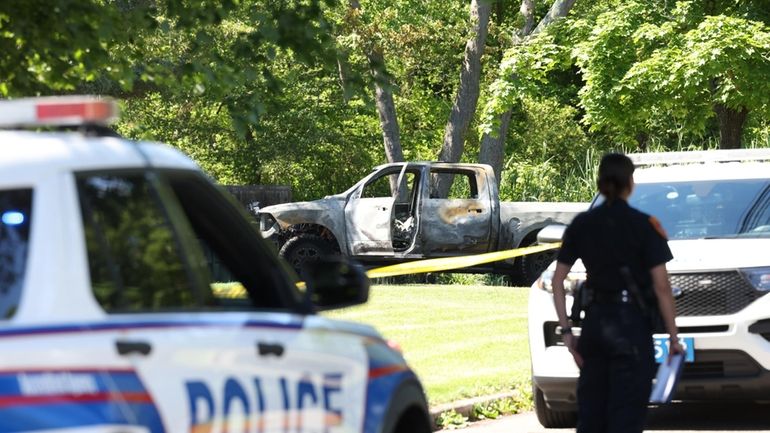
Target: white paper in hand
[[667, 378]]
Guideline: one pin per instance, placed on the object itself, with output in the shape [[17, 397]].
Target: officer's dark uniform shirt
[[613, 235]]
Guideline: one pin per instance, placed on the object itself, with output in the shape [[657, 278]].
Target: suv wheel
[[407, 412], [550, 418]]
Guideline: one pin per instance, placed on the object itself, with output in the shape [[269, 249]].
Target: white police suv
[[136, 297], [715, 207]]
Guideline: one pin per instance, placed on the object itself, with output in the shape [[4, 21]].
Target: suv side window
[[15, 217], [133, 256], [240, 269]]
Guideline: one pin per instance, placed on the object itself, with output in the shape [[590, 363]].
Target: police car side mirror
[[335, 282], [551, 234]]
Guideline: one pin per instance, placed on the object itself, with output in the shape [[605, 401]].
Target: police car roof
[[27, 156], [703, 172]]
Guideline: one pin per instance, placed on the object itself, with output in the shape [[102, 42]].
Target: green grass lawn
[[463, 341]]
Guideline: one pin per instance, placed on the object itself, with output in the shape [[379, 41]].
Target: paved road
[[679, 418]]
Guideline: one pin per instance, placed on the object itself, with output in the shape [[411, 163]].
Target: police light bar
[[57, 111], [699, 156]]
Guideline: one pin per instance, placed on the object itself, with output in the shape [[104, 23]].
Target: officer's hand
[[571, 342], [674, 347]]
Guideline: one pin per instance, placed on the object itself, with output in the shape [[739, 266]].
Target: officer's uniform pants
[[619, 363]]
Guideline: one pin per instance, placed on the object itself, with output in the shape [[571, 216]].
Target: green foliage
[[524, 70], [552, 157], [280, 91], [520, 402], [451, 420], [662, 68], [544, 181], [202, 47]]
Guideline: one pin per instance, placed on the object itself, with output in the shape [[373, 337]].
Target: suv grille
[[712, 293], [716, 364]]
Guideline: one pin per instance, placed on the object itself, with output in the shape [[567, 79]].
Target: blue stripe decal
[[56, 399], [59, 416], [380, 389], [378, 395], [123, 326], [23, 382]]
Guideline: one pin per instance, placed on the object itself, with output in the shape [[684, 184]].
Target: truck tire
[[532, 266], [304, 248], [550, 418], [408, 411]]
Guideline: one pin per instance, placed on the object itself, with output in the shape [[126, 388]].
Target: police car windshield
[[707, 209]]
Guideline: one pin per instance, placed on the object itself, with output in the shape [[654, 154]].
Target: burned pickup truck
[[397, 213]]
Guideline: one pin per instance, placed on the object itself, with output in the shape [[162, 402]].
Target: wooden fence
[[259, 196]]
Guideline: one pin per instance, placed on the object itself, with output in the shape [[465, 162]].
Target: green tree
[[131, 47], [649, 68]]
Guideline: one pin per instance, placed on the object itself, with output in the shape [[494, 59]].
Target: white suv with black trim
[[715, 207], [136, 297]]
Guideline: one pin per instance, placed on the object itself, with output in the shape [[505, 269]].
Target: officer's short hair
[[615, 173]]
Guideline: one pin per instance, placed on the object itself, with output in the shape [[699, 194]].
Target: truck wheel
[[304, 248], [407, 412], [550, 418], [532, 265]]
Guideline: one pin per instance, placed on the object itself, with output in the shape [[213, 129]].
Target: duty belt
[[606, 297]]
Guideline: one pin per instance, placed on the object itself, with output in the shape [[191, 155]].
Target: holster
[[649, 307], [581, 299]]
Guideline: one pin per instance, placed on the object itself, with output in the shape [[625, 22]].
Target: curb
[[465, 407]]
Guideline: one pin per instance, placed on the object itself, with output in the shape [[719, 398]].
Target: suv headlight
[[573, 280], [758, 277]]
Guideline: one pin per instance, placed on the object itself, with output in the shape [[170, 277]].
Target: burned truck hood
[[328, 212]]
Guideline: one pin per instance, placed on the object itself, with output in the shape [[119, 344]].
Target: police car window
[[134, 258], [15, 217], [708, 209], [241, 273]]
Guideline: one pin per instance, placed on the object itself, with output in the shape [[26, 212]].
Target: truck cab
[[398, 211]]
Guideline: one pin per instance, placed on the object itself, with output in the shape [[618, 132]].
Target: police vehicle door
[[205, 315]]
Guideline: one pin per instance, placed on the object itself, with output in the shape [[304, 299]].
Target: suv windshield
[[707, 209]]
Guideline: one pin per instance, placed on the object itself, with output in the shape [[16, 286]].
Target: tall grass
[[576, 181], [549, 181]]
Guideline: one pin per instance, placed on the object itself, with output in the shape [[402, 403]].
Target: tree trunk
[[492, 150], [731, 123], [468, 93], [386, 108], [559, 9], [527, 9]]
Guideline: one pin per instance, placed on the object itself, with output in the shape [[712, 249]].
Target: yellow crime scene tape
[[236, 290], [451, 263]]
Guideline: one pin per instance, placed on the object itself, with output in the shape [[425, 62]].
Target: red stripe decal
[[374, 373], [129, 397]]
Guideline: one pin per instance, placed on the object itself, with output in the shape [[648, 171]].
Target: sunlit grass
[[463, 341]]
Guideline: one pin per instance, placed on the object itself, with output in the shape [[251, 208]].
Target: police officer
[[625, 253]]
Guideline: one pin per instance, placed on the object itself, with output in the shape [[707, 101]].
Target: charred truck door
[[381, 215], [460, 220]]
